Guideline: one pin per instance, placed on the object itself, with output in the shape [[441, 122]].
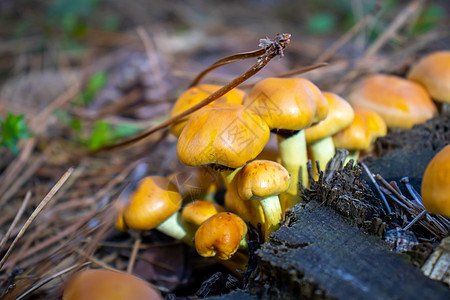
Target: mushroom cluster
[[225, 139]]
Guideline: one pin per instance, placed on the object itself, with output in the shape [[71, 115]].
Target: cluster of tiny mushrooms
[[231, 133]]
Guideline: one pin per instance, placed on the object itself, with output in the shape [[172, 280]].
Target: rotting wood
[[319, 255]]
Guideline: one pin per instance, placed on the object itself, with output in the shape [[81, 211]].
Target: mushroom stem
[[293, 154], [272, 213], [173, 227], [352, 154], [323, 150]]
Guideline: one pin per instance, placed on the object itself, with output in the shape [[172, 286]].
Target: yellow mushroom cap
[[367, 125], [261, 179], [340, 115], [195, 95], [108, 285], [287, 103], [436, 184], [220, 235], [223, 134], [198, 211], [400, 102], [433, 72], [155, 200]]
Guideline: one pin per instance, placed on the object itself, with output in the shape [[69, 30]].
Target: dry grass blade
[[134, 252], [46, 280], [16, 219], [35, 213]]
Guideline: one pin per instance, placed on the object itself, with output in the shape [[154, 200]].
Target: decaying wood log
[[319, 255]]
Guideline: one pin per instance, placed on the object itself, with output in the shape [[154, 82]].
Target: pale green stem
[[173, 227], [272, 212], [352, 154], [323, 151], [294, 157]]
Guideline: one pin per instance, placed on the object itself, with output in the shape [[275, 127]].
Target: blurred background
[[45, 46], [76, 75]]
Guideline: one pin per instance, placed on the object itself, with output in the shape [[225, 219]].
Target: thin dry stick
[[95, 260], [14, 168], [16, 219], [39, 123], [370, 175], [35, 213], [401, 19], [46, 280], [152, 57], [25, 176], [390, 32], [134, 252], [270, 51], [51, 240]]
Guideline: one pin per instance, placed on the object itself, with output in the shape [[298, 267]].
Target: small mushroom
[[221, 236], [155, 204], [264, 180], [365, 128], [319, 136], [108, 285], [433, 72], [400, 102], [436, 184], [198, 211]]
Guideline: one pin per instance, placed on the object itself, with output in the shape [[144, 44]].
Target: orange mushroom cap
[[223, 134], [400, 102], [108, 285], [433, 72], [198, 211], [287, 103], [367, 125], [195, 95], [261, 179], [220, 235], [340, 115], [155, 200], [436, 184]]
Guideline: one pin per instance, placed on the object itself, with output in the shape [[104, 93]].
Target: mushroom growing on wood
[[289, 105], [108, 285], [264, 180], [400, 102], [319, 136], [221, 236], [222, 135], [436, 184], [433, 72], [198, 211], [155, 204], [366, 127]]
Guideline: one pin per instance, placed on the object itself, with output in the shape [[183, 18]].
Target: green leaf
[[124, 130], [321, 23], [93, 86], [13, 129], [428, 19], [101, 135]]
